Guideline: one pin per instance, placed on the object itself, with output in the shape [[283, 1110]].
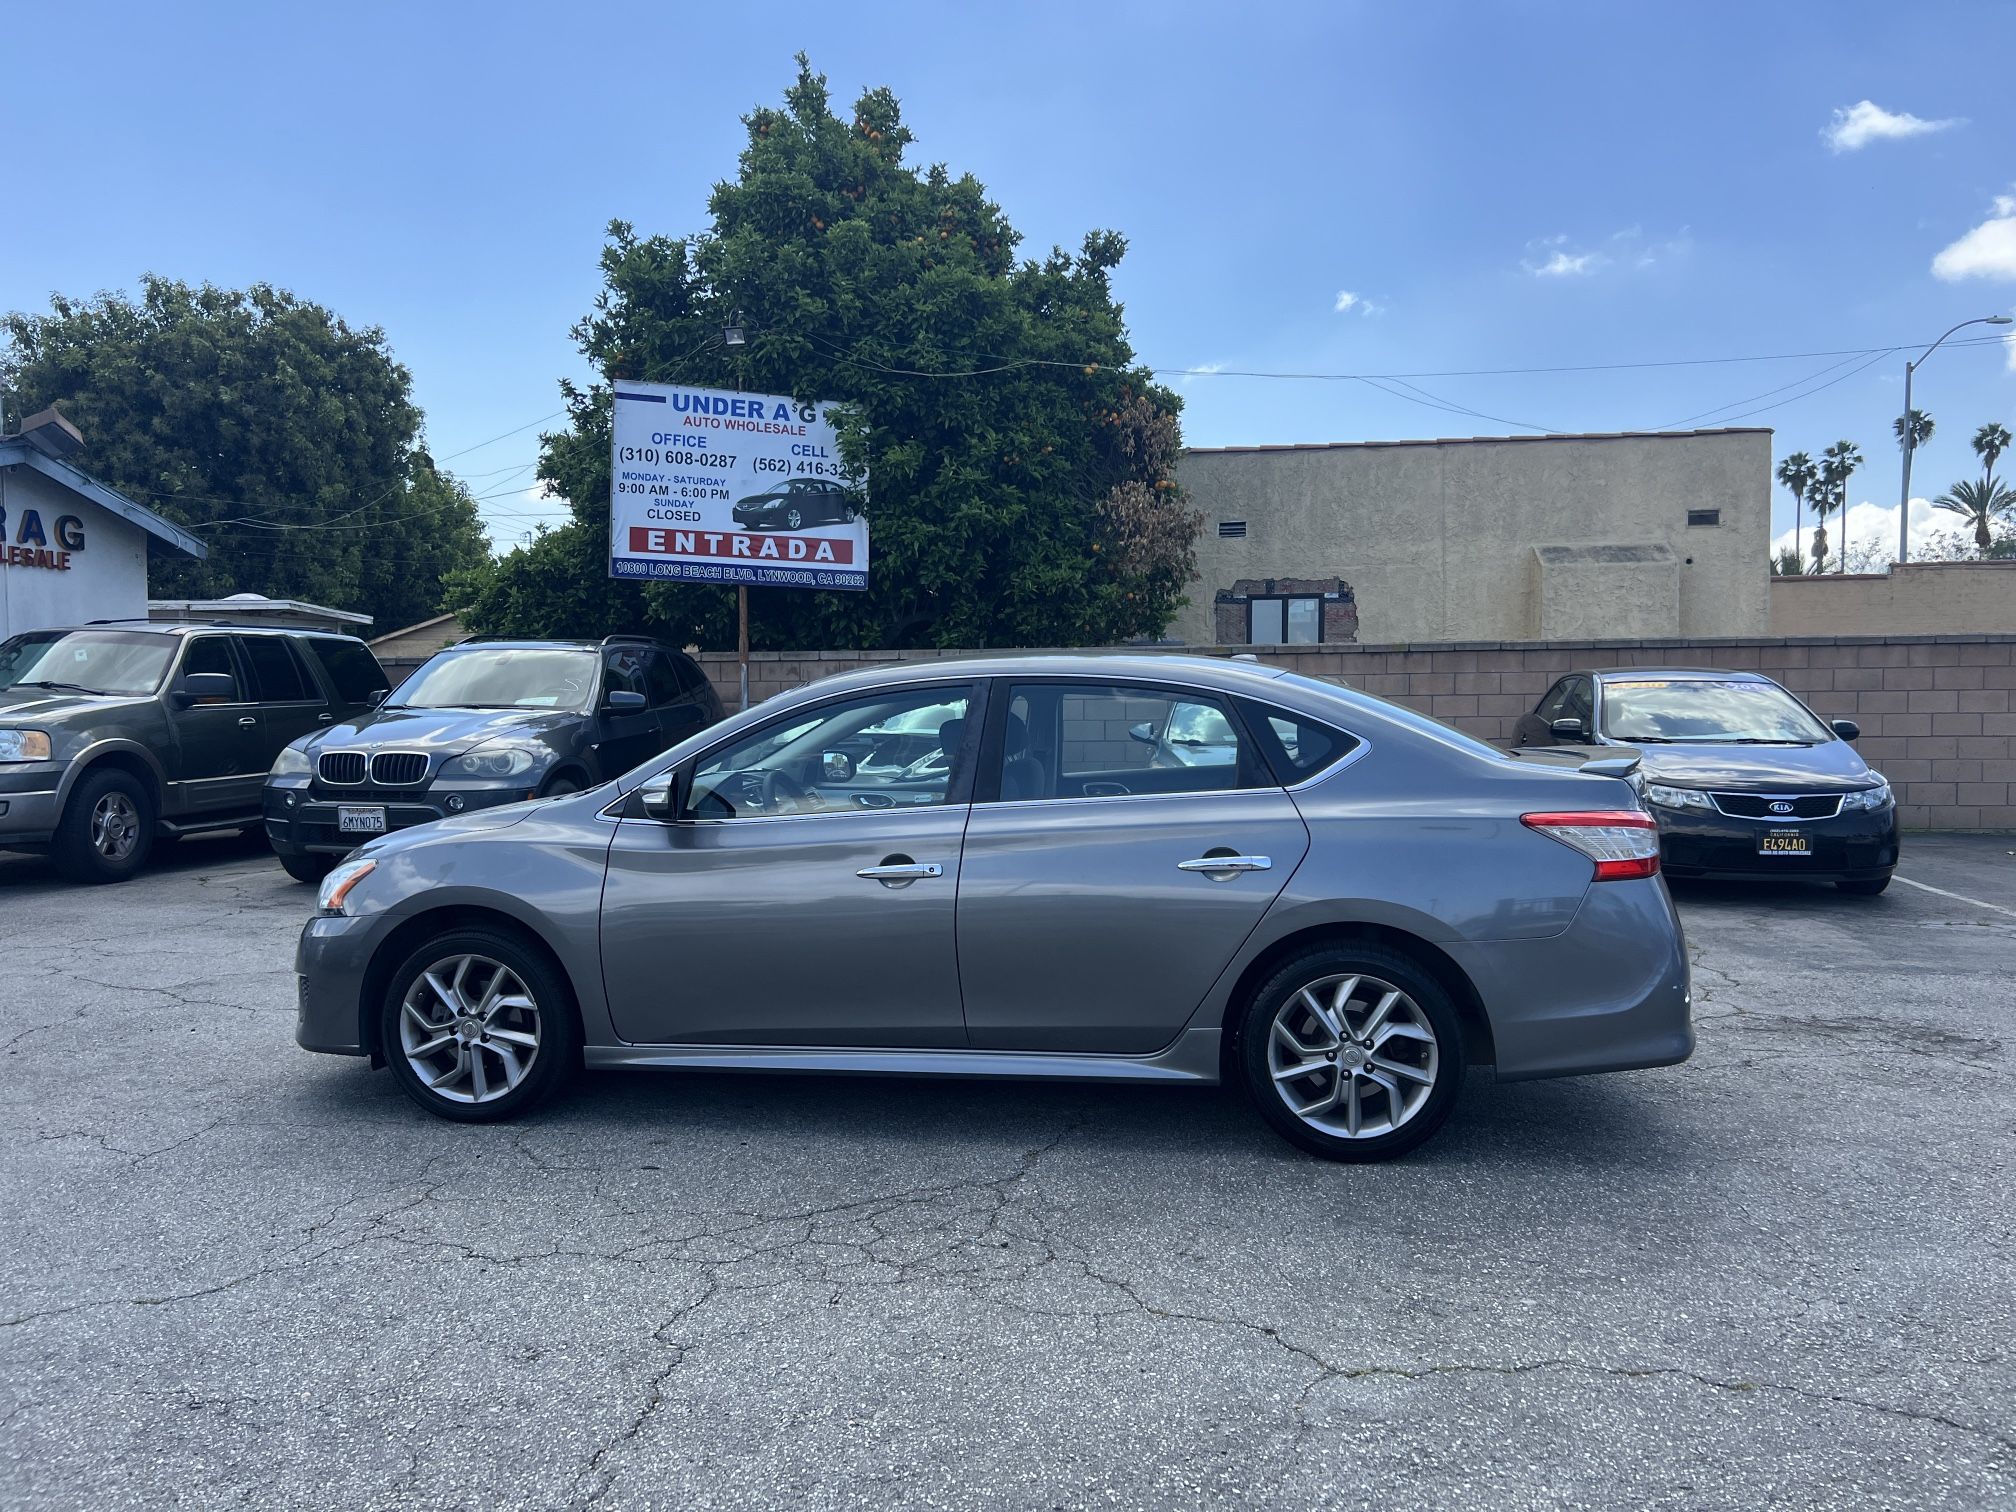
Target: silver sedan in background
[[1351, 907]]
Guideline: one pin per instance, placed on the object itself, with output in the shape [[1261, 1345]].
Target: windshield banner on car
[[709, 486]]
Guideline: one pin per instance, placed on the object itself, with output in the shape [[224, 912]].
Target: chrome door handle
[[1229, 866], [247, 722], [324, 718], [907, 871]]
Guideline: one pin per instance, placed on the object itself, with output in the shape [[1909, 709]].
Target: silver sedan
[[1339, 905]]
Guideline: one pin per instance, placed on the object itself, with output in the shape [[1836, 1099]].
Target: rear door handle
[[247, 722], [901, 871], [1220, 868]]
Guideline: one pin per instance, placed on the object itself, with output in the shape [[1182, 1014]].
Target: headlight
[[492, 761], [24, 745], [291, 762], [1868, 798], [1676, 798], [336, 886]]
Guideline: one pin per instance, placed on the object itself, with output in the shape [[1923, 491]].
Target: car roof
[[1680, 674], [192, 627], [1218, 672]]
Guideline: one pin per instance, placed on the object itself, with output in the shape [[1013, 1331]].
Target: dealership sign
[[709, 486], [30, 545]]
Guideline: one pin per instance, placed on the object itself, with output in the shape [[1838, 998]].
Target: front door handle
[[247, 722], [899, 871], [1225, 868]]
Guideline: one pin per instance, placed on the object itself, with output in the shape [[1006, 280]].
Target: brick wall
[[1935, 711]]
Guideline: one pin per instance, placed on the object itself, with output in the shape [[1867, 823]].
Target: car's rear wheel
[[308, 868], [1866, 888], [106, 830], [478, 1027], [1353, 1053]]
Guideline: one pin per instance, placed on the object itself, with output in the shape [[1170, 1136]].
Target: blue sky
[[1518, 185]]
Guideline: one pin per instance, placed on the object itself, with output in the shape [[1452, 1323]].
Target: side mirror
[[206, 688], [622, 700], [837, 766], [684, 716], [664, 796], [376, 697], [1847, 729], [1143, 732], [1569, 729]]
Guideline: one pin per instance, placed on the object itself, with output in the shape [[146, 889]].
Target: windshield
[[125, 663], [504, 677], [1660, 711], [1197, 724]]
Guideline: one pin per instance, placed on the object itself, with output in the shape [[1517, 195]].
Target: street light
[[1904, 503]]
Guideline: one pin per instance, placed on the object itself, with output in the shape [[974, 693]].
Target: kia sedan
[[1744, 779], [1353, 908]]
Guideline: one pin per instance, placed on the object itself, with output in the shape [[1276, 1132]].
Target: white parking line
[[1957, 897]]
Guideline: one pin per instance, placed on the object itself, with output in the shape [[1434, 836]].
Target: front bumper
[[28, 802], [302, 819], [1854, 847], [330, 961]]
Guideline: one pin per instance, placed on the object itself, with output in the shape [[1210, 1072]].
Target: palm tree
[[1979, 504], [1989, 443], [1837, 465], [1921, 428], [1785, 561], [1798, 474]]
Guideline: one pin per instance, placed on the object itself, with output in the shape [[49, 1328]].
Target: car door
[[291, 700], [1090, 917], [1536, 728], [794, 902], [216, 765]]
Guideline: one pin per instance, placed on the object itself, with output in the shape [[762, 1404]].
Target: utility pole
[[732, 336], [1904, 496]]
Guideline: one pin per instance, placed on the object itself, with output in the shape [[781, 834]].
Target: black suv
[[796, 504], [114, 734], [480, 724]]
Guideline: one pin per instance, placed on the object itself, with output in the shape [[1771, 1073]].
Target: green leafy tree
[[1921, 428], [1798, 474], [266, 424], [1021, 468], [1837, 465], [1980, 505], [1989, 442], [1785, 562]]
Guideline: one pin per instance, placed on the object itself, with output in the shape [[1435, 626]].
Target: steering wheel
[[777, 789]]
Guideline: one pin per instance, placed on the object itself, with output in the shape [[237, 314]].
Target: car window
[[661, 687], [1557, 698], [1580, 702], [352, 668], [885, 751], [1654, 710], [1296, 746], [1084, 740], [623, 672], [277, 673], [211, 654]]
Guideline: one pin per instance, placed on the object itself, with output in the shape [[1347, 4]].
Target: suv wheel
[[308, 868], [106, 830], [1352, 1053], [476, 1027]]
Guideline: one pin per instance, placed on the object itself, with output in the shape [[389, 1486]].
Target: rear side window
[[277, 673], [1296, 746], [1086, 740], [691, 678], [353, 669]]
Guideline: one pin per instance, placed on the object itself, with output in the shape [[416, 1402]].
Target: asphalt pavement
[[1780, 1275]]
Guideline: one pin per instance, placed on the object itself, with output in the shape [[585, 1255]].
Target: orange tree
[[1021, 467]]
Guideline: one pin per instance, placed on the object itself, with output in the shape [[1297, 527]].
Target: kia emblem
[[1781, 807]]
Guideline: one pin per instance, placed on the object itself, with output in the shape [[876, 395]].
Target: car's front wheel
[[309, 867], [106, 830], [478, 1027], [794, 518], [1353, 1053]]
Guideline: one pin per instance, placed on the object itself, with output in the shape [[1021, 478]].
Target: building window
[[1285, 620], [1231, 530], [1704, 517]]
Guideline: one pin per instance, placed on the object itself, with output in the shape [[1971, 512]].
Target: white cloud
[[1345, 300], [1567, 265], [1988, 251], [1348, 302], [1871, 536], [1856, 126], [1201, 370]]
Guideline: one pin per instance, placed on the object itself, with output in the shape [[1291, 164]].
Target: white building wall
[[107, 577]]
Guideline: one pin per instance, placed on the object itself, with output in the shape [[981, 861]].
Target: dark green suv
[[112, 735]]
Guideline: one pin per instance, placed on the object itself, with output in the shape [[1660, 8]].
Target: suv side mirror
[[1847, 729], [1569, 729], [205, 688], [622, 699], [664, 797]]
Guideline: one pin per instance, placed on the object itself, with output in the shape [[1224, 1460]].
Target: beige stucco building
[[1641, 534]]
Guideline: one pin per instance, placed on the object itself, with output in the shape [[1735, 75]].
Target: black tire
[[561, 785], [78, 847], [793, 519], [308, 868], [559, 1040], [1427, 1006], [1865, 889]]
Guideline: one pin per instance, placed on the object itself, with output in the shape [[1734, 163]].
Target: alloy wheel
[[115, 827], [469, 1028], [1352, 1056]]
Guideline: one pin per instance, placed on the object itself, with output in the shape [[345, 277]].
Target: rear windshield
[[122, 663]]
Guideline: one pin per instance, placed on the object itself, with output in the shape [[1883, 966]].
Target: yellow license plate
[[1784, 843]]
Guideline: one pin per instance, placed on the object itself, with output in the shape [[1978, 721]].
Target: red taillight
[[1623, 843]]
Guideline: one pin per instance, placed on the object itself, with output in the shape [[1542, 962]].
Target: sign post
[[715, 486]]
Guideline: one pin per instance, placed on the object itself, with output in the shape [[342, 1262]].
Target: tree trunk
[[1981, 537], [1819, 548]]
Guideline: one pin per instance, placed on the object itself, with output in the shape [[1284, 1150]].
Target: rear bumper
[[1609, 993], [1849, 847]]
